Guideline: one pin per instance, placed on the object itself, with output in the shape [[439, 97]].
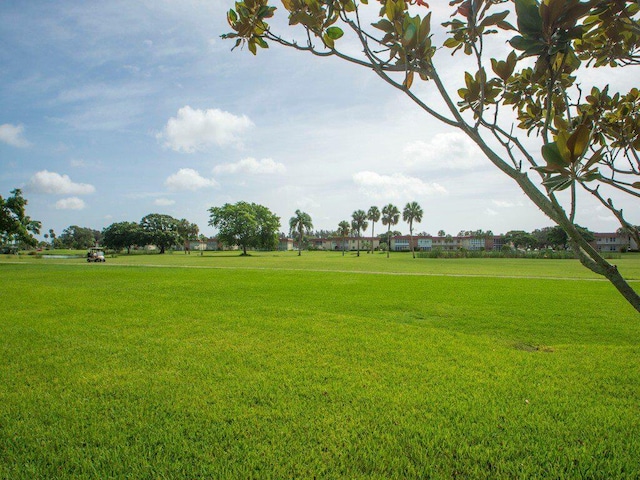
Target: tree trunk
[[388, 240], [411, 239], [373, 224]]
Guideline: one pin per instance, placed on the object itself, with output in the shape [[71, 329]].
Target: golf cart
[[95, 254]]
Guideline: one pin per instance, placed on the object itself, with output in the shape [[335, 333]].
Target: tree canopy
[[121, 235], [79, 237], [358, 224], [525, 109], [160, 230], [373, 215], [15, 225], [247, 225], [300, 223], [390, 218], [412, 212]]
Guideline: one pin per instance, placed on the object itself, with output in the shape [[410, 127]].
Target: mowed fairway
[[276, 366]]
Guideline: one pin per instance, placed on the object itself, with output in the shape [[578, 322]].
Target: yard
[[278, 366]]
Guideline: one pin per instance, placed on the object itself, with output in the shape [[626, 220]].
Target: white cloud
[[194, 130], [445, 151], [252, 166], [13, 135], [163, 202], [71, 203], [54, 183], [490, 212], [506, 204], [189, 179], [396, 186]]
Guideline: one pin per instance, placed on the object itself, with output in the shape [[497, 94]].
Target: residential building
[[613, 242]]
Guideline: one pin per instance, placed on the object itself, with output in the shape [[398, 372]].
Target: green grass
[[273, 367]]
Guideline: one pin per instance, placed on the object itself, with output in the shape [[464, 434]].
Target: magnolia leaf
[[252, 46], [260, 41], [425, 27], [557, 183], [334, 33], [595, 158], [451, 43], [494, 19], [384, 25], [529, 20], [409, 37], [552, 155], [328, 41], [561, 141], [409, 80], [578, 142]]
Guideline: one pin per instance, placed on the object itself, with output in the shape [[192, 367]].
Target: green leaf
[[561, 140], [425, 27], [384, 25], [260, 41], [557, 183], [232, 17], [578, 142], [494, 19], [328, 41], [252, 46], [409, 37], [334, 33], [451, 43], [595, 158], [529, 20], [553, 157]]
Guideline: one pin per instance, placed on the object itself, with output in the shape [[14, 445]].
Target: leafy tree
[[247, 225], [441, 233], [301, 223], [558, 238], [358, 224], [344, 229], [585, 141], [187, 231], [373, 215], [122, 235], [52, 236], [15, 225], [160, 230], [78, 238], [412, 213], [390, 217], [268, 226], [521, 239]]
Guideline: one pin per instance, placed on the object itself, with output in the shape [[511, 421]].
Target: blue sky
[[114, 110]]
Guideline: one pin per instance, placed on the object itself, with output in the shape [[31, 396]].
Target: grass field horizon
[[278, 366]]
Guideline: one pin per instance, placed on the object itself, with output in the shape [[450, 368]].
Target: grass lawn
[[278, 366]]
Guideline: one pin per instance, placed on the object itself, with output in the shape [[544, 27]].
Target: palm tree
[[358, 224], [412, 213], [344, 229], [300, 223], [373, 215], [390, 216]]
